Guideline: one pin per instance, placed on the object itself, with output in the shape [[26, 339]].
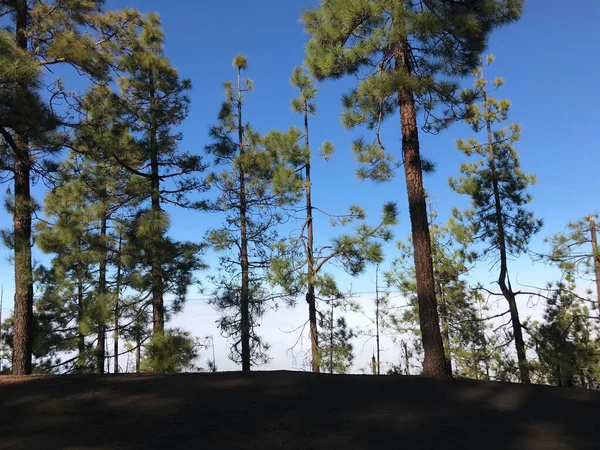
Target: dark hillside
[[289, 410]]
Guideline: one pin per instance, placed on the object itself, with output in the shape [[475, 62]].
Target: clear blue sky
[[548, 60]]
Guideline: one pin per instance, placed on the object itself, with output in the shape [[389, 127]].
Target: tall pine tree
[[153, 101], [256, 180], [408, 54], [498, 190], [46, 33]]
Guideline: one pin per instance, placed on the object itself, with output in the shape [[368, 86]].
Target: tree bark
[[23, 302], [244, 261], [434, 363]]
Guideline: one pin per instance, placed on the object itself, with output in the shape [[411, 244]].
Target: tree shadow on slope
[[287, 410]]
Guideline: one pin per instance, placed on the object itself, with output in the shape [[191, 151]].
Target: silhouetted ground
[[291, 410]]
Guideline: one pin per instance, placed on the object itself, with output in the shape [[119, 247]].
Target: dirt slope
[[291, 410]]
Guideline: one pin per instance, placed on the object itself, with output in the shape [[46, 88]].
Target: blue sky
[[548, 60]]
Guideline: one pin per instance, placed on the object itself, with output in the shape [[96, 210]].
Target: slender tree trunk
[[331, 340], [1, 304], [138, 348], [503, 279], [23, 303], [596, 257], [377, 319], [80, 335], [244, 261], [117, 309], [101, 345], [485, 350], [406, 358], [310, 295], [158, 306], [445, 329], [434, 363]]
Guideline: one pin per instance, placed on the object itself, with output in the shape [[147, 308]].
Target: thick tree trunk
[[434, 363], [244, 261], [310, 295], [23, 303], [596, 257], [101, 345]]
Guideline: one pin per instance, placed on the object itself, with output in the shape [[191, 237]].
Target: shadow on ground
[[291, 410]]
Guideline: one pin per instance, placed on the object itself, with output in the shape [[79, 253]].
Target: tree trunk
[[596, 257], [80, 335], [23, 303], [158, 307], [101, 345], [117, 310], [310, 295], [244, 261], [434, 363], [445, 330], [377, 320], [331, 340], [518, 332], [138, 348]]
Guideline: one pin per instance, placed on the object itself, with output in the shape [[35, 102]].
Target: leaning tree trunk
[[23, 303], [434, 363]]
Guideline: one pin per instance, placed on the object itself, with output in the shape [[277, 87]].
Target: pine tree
[[46, 33], [498, 190], [575, 251], [86, 208], [171, 352], [336, 351], [152, 102], [408, 55], [300, 264], [69, 285], [567, 342], [256, 180]]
